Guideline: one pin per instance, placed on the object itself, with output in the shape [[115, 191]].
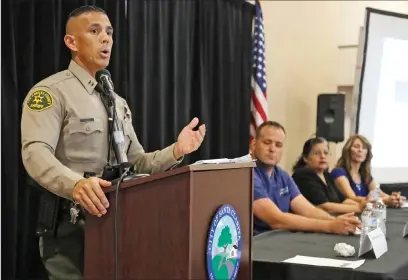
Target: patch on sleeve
[[40, 100]]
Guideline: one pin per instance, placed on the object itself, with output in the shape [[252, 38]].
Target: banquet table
[[270, 249]]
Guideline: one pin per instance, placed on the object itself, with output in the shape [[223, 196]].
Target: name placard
[[374, 240]]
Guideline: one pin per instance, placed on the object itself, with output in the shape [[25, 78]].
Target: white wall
[[303, 59]]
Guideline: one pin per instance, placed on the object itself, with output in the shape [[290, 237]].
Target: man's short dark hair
[[86, 9], [268, 123]]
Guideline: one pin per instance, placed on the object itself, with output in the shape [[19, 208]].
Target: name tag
[[87, 120]]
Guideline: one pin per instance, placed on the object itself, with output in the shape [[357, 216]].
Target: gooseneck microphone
[[103, 77], [116, 134], [105, 85]]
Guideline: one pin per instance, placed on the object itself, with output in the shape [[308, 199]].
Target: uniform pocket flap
[[86, 126]]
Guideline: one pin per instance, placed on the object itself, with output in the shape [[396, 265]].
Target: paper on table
[[246, 158], [324, 262], [405, 205], [209, 161]]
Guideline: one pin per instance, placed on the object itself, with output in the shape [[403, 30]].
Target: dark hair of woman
[[307, 148]]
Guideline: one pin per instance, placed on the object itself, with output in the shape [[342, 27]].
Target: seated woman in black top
[[315, 183]]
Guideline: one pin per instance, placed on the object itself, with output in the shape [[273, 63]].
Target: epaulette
[[55, 78]]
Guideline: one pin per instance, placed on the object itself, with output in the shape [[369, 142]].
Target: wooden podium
[[164, 222]]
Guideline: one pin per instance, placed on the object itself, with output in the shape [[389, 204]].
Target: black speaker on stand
[[330, 116]]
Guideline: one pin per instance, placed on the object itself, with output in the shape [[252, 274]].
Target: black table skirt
[[270, 249]]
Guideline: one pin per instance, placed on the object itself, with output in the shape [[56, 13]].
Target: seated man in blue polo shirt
[[278, 204]]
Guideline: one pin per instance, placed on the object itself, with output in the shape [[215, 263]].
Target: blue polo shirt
[[359, 189], [279, 187]]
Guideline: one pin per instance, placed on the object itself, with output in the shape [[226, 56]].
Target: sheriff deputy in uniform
[[64, 130]]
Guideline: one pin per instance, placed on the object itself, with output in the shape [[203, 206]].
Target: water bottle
[[379, 208], [369, 221]]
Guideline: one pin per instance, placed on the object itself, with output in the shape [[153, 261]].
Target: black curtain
[[187, 59], [172, 60]]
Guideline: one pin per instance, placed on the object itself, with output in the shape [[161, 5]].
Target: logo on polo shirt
[[284, 191], [224, 244]]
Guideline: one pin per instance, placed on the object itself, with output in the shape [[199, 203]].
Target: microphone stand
[[122, 170], [123, 167]]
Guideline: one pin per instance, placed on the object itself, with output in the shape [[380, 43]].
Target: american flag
[[259, 104]]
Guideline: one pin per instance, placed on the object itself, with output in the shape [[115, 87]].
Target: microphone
[[103, 77]]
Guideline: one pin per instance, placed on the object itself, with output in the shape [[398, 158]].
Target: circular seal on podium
[[224, 244]]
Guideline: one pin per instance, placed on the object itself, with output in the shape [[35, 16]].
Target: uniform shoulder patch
[[40, 100]]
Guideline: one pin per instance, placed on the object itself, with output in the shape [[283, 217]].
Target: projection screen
[[382, 112]]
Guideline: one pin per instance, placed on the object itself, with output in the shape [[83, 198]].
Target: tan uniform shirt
[[64, 133]]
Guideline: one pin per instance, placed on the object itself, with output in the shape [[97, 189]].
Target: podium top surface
[[183, 169]]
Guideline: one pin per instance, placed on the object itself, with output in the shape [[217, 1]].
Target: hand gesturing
[[189, 140]]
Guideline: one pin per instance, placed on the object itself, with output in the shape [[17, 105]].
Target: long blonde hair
[[345, 159]]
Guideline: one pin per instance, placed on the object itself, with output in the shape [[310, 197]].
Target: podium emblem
[[224, 244]]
